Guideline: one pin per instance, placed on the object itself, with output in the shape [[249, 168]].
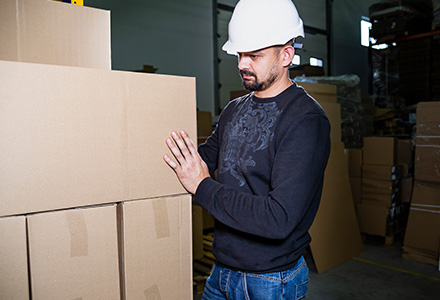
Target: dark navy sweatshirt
[[270, 155]]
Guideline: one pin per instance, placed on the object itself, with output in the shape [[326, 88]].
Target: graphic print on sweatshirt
[[248, 131]]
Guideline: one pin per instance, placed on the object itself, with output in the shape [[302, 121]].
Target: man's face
[[259, 69]]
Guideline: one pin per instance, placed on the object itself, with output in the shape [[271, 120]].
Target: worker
[[270, 149]]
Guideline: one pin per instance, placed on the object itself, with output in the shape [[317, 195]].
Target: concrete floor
[[378, 273]]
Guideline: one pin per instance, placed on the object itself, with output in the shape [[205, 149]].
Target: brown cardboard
[[356, 189], [423, 228], [404, 151], [48, 32], [335, 233], [406, 188], [386, 187], [204, 125], [379, 198], [197, 222], [73, 254], [428, 121], [372, 219], [381, 172], [407, 169], [13, 259], [355, 158], [157, 246], [380, 151], [427, 159], [321, 92], [73, 137], [333, 111]]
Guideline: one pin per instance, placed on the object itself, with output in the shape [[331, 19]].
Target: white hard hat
[[257, 24]]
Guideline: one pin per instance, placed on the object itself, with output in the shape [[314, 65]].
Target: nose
[[243, 62]]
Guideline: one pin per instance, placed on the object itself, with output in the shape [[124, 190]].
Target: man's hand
[[190, 167]]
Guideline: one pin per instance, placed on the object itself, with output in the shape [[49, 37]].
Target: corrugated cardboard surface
[[372, 219], [321, 92], [380, 151], [428, 121], [73, 137], [356, 189], [157, 248], [42, 31], [13, 259], [423, 228], [381, 172], [197, 222], [355, 159], [74, 254], [427, 159], [404, 151]]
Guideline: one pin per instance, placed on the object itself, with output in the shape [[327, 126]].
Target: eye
[[254, 56]]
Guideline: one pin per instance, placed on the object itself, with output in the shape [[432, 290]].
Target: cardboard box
[[355, 159], [372, 219], [320, 92], [157, 259], [423, 228], [406, 188], [380, 151], [428, 122], [48, 32], [387, 173], [386, 187], [407, 169], [13, 259], [427, 159], [197, 222], [204, 125], [73, 136], [73, 254], [356, 189], [404, 151]]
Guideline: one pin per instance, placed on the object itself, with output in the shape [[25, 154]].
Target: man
[[270, 149]]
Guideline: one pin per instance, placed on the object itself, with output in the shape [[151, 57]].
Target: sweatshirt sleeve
[[302, 151]]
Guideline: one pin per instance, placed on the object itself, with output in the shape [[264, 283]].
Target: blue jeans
[[224, 283]]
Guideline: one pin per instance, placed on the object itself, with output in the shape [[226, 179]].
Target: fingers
[[189, 143], [170, 162]]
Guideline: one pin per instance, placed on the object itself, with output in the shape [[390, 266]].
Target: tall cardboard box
[[157, 248], [73, 136], [73, 254], [13, 259], [427, 152], [423, 229], [49, 32]]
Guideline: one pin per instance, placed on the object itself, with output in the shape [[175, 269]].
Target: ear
[[287, 54]]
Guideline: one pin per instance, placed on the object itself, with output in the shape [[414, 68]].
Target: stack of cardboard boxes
[[422, 237], [88, 208], [386, 162]]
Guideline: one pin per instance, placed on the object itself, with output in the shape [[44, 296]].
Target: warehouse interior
[[90, 90]]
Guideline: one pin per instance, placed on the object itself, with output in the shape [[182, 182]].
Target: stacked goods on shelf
[[350, 100], [82, 191], [397, 18], [380, 212], [422, 237]]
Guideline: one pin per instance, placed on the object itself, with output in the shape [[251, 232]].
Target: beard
[[256, 84]]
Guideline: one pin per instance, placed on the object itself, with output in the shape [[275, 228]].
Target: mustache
[[247, 73]]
